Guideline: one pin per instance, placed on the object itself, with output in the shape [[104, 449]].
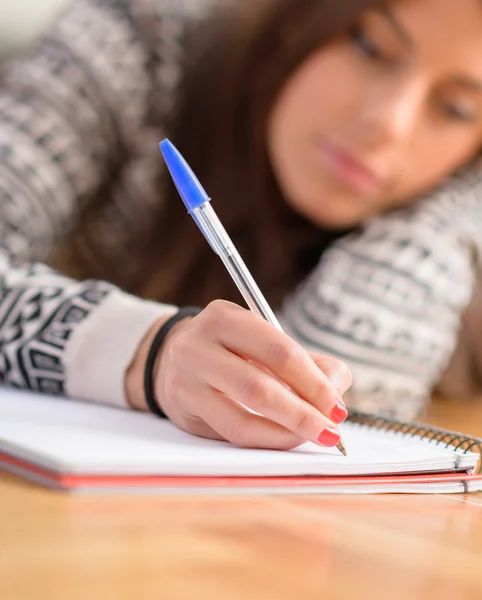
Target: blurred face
[[372, 120]]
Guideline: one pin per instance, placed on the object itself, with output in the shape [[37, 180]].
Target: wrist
[[134, 376], [140, 375]]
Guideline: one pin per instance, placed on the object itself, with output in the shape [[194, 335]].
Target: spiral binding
[[458, 441]]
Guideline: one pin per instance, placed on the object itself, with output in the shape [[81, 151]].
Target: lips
[[349, 168]]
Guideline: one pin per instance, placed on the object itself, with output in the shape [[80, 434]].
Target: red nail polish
[[339, 413], [329, 437]]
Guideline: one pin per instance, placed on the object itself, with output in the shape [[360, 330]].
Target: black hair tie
[[188, 311]]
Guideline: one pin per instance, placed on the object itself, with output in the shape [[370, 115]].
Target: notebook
[[84, 447]]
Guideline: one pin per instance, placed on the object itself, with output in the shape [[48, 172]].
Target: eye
[[362, 41], [458, 112]]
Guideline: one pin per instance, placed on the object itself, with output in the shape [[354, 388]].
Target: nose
[[391, 113]]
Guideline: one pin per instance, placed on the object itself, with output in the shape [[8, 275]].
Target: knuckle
[[282, 354], [215, 315], [321, 390], [236, 432], [254, 391], [219, 309], [305, 424]]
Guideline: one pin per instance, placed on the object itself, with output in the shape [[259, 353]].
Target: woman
[[315, 128]]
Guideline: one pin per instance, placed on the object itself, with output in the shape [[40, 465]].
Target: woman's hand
[[216, 368]]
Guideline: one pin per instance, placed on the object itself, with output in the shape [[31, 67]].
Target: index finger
[[253, 338]]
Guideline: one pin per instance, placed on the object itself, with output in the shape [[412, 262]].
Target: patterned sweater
[[387, 299]]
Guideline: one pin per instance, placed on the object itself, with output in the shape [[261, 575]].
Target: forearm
[[67, 337]]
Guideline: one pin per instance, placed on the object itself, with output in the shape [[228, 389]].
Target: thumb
[[335, 369]]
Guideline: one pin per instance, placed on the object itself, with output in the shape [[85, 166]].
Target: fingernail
[[329, 437], [339, 413]]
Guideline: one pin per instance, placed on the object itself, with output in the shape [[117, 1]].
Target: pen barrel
[[242, 278], [221, 243]]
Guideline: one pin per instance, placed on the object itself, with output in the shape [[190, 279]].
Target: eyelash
[[457, 114], [363, 42]]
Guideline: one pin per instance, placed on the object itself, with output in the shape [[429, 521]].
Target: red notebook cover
[[468, 481]]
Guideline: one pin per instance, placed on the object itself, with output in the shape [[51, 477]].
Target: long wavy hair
[[238, 60]]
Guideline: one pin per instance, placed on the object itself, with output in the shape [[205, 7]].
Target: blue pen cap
[[190, 189]]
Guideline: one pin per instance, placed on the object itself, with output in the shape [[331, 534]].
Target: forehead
[[444, 32]]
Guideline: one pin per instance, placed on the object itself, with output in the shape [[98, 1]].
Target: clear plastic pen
[[198, 204], [216, 235]]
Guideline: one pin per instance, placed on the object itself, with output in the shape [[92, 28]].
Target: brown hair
[[238, 61]]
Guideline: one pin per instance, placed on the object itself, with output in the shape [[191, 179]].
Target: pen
[[199, 207]]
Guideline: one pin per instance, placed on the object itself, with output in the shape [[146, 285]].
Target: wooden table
[[55, 546]]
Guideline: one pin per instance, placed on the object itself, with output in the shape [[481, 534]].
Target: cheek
[[319, 100], [320, 97]]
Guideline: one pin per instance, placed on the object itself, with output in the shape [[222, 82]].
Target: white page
[[80, 438]]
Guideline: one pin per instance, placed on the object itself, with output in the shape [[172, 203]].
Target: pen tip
[[341, 448]]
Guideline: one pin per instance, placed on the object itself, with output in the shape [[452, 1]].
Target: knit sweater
[[387, 299]]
